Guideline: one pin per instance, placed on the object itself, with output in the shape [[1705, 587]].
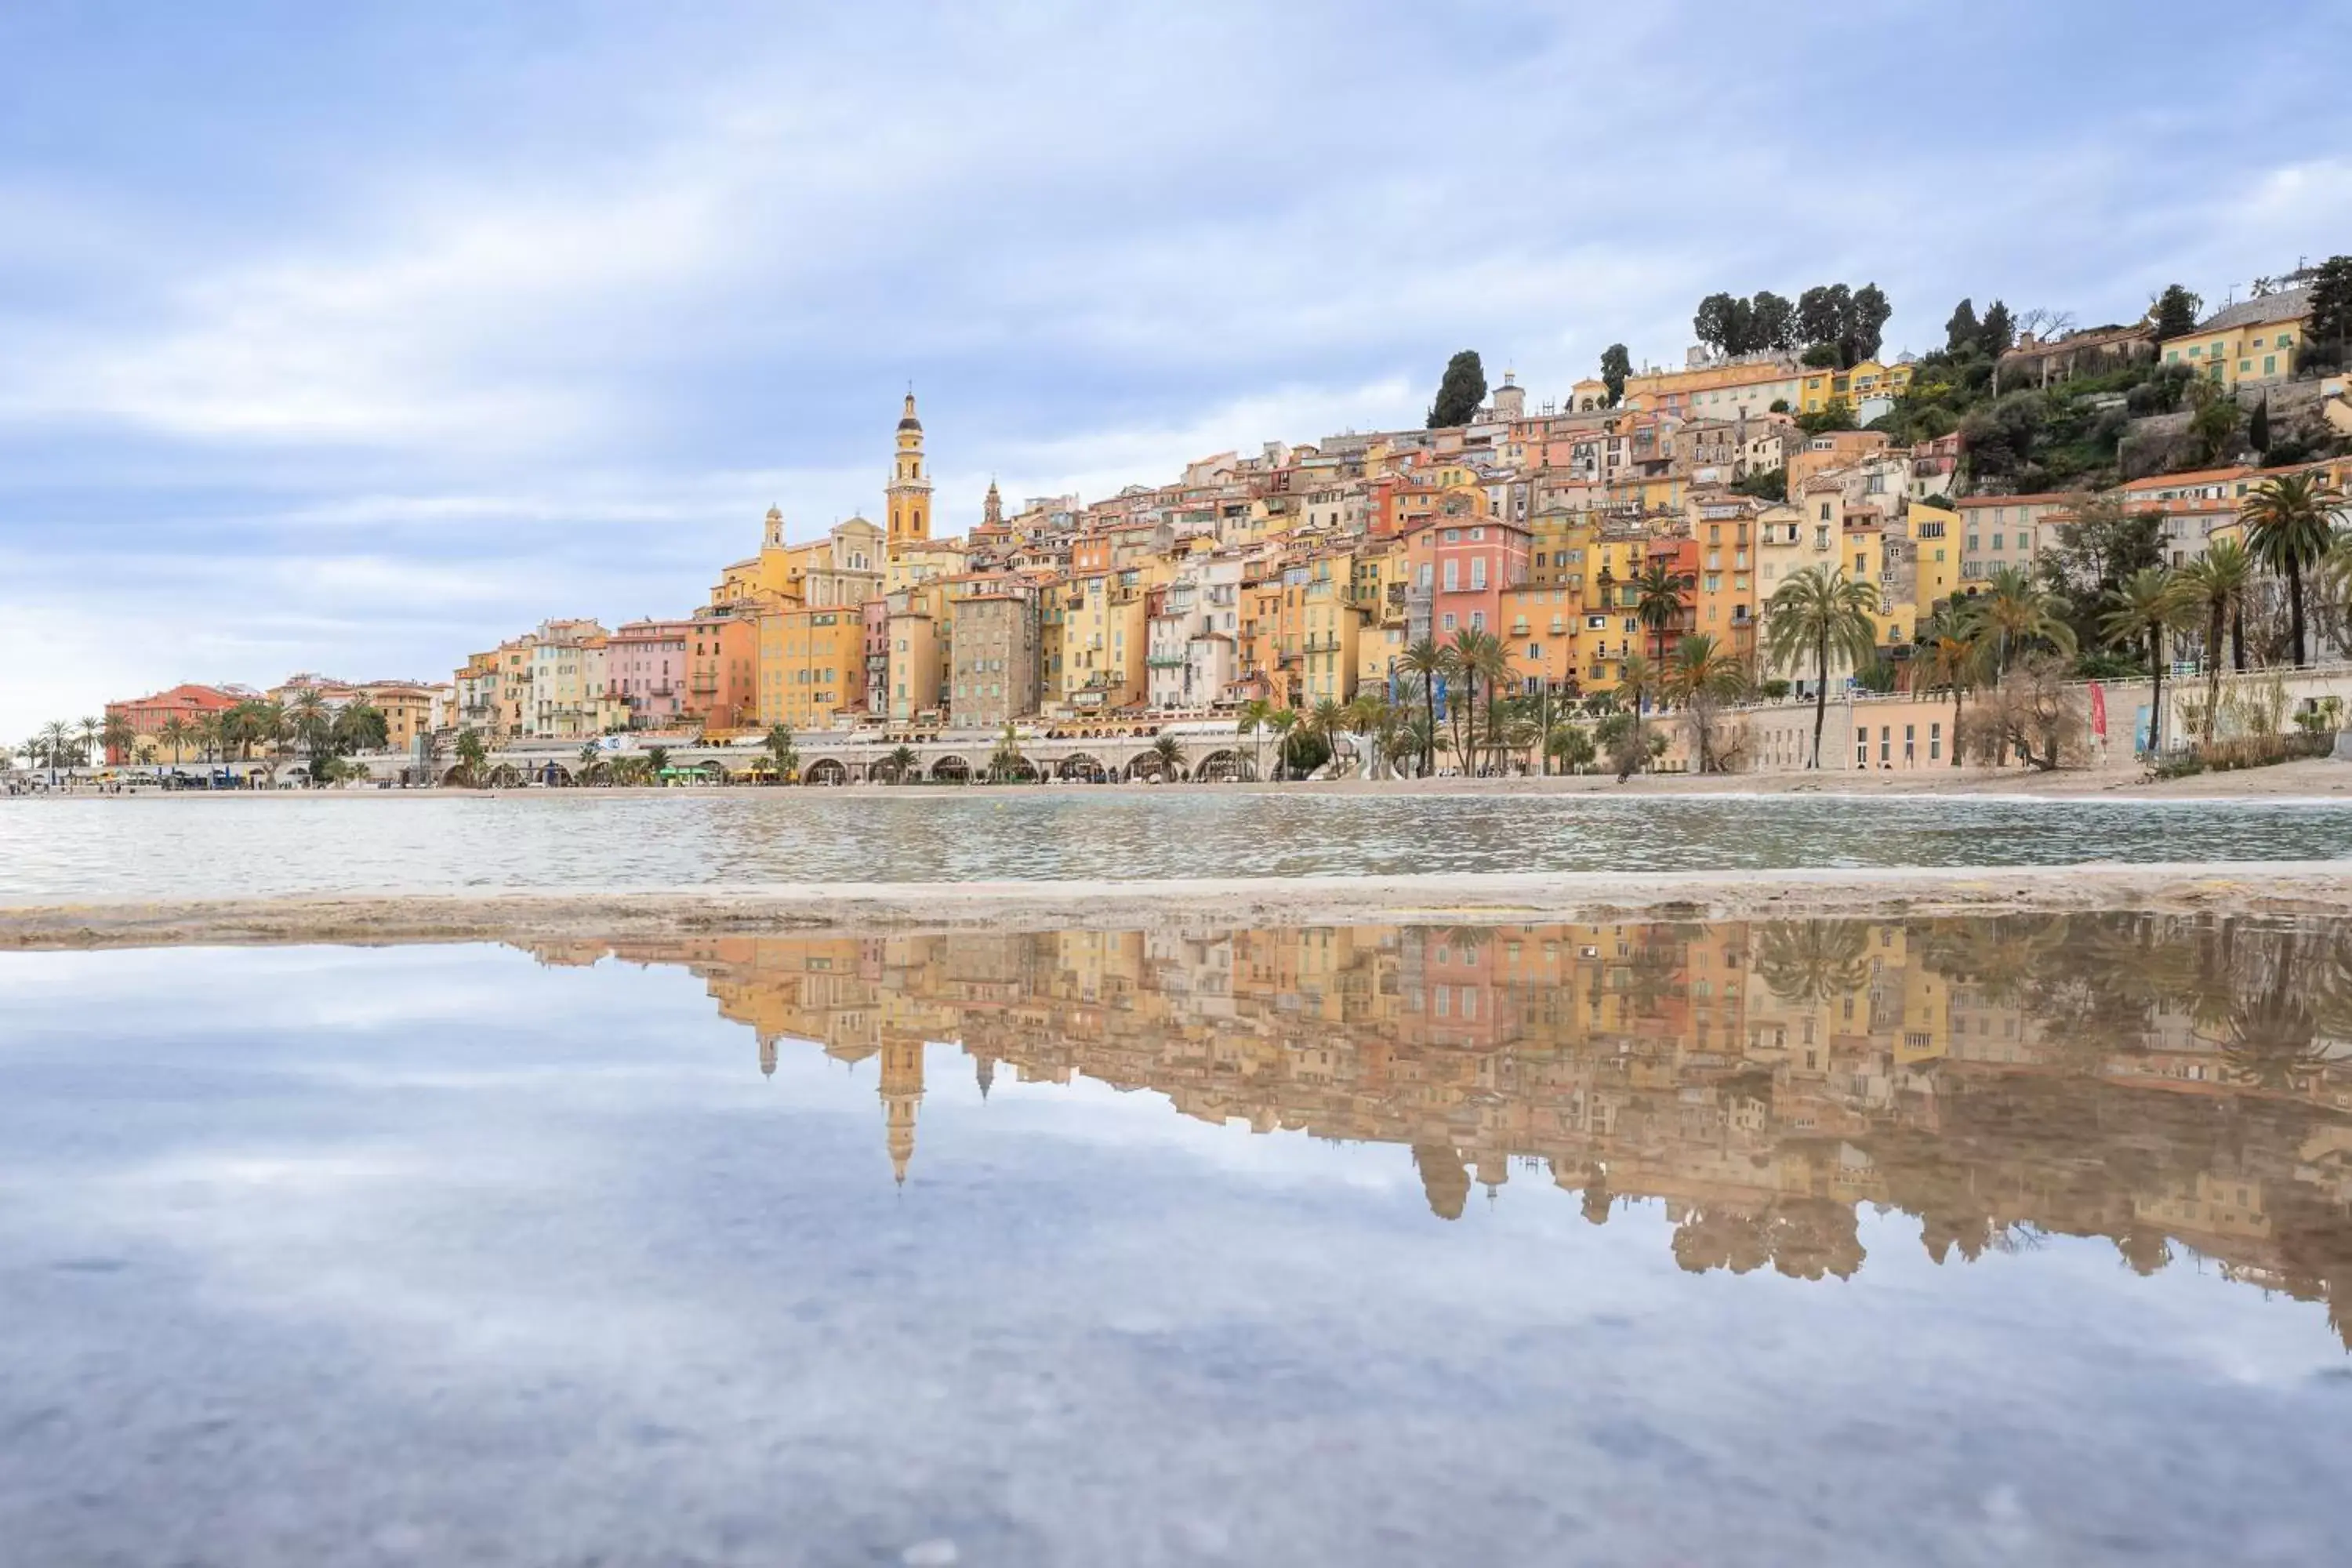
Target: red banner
[[2098, 710]]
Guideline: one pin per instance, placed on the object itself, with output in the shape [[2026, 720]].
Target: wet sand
[[2271, 887]]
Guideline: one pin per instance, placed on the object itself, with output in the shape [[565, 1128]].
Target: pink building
[[868, 694], [1460, 564], [644, 665]]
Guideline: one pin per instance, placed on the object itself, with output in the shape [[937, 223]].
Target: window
[[1825, 511], [1449, 620], [1477, 534], [1453, 576], [1452, 536], [1478, 574], [1478, 620], [1935, 743]]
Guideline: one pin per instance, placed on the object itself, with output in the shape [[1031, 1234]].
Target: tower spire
[[908, 498]]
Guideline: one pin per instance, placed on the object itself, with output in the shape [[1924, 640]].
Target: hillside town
[[1518, 584], [1762, 1078]]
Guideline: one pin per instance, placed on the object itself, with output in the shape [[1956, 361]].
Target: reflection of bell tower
[[902, 1091], [767, 1056], [910, 492]]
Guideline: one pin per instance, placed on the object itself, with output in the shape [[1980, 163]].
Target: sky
[[354, 338]]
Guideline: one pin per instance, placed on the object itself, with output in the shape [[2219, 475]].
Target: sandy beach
[[2277, 888]]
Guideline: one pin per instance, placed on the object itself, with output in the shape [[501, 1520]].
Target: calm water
[[268, 844], [1970, 1243]]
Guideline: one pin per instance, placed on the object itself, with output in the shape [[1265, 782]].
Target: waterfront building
[[146, 717], [992, 649], [646, 668]]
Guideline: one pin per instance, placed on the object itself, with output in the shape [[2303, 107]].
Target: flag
[[2098, 710]]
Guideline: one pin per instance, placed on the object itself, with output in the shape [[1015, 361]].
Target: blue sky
[[355, 337]]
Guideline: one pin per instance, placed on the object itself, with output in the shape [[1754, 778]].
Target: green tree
[[1701, 679], [1952, 655], [1425, 661], [1571, 746], [782, 752], [2175, 312], [2217, 582], [656, 761], [2018, 612], [1821, 615], [1961, 331], [1658, 603], [472, 754], [1867, 318], [1627, 732], [116, 736], [1461, 392], [1616, 364], [1823, 314], [359, 727], [2329, 336], [2147, 605], [1256, 721], [2290, 523], [1998, 334], [2258, 428], [901, 762], [1766, 484], [1006, 764], [2214, 425], [1170, 752]]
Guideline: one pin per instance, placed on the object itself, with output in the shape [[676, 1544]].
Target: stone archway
[[826, 771], [951, 769], [1083, 765], [1143, 765], [554, 775], [1221, 767]]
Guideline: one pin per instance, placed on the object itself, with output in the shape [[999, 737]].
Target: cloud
[[543, 317]]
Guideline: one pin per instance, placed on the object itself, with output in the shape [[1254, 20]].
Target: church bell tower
[[910, 493]]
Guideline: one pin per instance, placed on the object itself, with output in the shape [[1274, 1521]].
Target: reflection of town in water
[[2171, 1084]]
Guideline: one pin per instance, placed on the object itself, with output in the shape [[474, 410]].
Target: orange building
[[146, 716], [722, 663]]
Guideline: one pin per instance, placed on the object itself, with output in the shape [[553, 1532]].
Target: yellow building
[[812, 665], [1749, 388], [1104, 640], [407, 709], [1853, 387], [1332, 633], [1934, 529], [1538, 629], [1724, 604], [2254, 342], [916, 562], [909, 492]]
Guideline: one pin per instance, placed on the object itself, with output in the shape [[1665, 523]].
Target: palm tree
[[472, 753], [2148, 604], [1367, 714], [55, 740], [657, 761], [2289, 522], [1284, 721], [1258, 718], [1701, 676], [1170, 752], [1425, 659], [1813, 960], [1952, 655], [177, 734], [2218, 582], [2018, 611], [783, 752], [1638, 676], [1489, 661], [592, 760], [1821, 614], [901, 762], [118, 737], [1007, 764], [1658, 603], [1571, 745]]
